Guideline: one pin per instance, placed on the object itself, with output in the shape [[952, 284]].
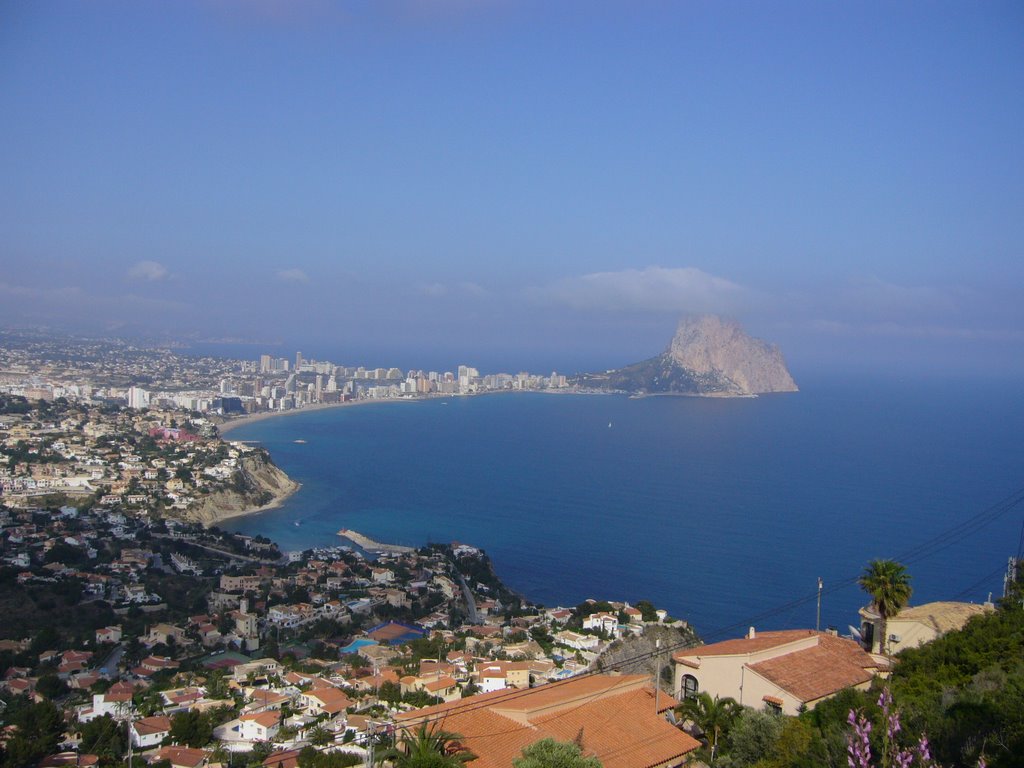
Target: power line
[[920, 552]]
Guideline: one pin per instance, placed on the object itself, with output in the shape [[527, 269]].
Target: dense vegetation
[[964, 692]]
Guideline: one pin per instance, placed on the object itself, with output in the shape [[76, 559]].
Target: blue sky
[[535, 184]]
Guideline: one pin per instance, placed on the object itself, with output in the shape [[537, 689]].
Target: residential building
[[787, 670], [915, 626], [611, 717], [260, 726], [150, 731]]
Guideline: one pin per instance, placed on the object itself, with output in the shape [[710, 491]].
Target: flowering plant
[[858, 742]]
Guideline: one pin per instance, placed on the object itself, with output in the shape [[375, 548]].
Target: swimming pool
[[355, 645]]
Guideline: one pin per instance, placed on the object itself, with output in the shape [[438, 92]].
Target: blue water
[[356, 644], [720, 511]]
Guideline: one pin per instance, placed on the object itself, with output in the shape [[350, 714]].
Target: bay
[[723, 511]]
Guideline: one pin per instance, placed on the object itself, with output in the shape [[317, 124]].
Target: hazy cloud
[[434, 290], [473, 289], [896, 330], [148, 271], [39, 294], [874, 296], [465, 288], [292, 276], [73, 304], [652, 289]]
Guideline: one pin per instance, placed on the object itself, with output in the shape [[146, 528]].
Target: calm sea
[[724, 512]]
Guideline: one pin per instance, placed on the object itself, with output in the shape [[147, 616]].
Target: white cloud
[[473, 289], [652, 289], [434, 290], [293, 276], [148, 271]]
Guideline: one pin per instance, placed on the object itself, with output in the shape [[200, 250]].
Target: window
[[689, 686]]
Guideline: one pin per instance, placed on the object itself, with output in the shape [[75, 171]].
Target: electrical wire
[[920, 552]]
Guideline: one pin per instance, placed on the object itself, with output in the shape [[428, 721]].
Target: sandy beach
[[238, 421]]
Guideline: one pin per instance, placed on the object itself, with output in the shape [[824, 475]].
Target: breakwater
[[372, 546]]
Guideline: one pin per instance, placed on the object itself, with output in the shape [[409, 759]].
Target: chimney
[[751, 633]]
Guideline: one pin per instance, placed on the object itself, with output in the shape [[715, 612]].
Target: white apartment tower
[[138, 397]]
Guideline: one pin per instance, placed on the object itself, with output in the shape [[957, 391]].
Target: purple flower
[[858, 744], [924, 750]]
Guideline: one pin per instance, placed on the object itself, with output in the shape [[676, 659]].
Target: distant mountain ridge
[[707, 356]]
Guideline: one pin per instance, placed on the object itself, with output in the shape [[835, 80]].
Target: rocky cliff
[[707, 356], [257, 484]]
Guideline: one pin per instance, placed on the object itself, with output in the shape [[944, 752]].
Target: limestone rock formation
[[707, 356]]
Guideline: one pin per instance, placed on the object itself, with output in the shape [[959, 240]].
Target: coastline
[[252, 418], [278, 501]]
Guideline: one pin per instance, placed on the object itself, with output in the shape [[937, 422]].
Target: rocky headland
[[257, 485], [708, 356]]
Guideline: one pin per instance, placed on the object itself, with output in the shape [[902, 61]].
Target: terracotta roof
[[264, 697], [266, 719], [615, 715], [942, 616], [763, 641], [331, 699], [183, 756], [287, 759], [69, 759], [835, 663], [147, 726], [440, 684]]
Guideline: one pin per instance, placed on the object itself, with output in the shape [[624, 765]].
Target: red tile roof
[[614, 714], [763, 641], [150, 725], [834, 664], [185, 757]]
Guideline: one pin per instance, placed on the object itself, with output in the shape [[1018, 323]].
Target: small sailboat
[[609, 425]]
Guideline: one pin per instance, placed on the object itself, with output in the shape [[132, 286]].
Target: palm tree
[[888, 584], [713, 716], [429, 748]]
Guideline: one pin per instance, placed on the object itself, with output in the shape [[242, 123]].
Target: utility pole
[[817, 623], [657, 678]]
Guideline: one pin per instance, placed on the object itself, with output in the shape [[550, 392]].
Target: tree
[[714, 716], [548, 753], [40, 727], [752, 737], [311, 758], [51, 686], [429, 748], [319, 736], [888, 585], [191, 728], [105, 737]]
